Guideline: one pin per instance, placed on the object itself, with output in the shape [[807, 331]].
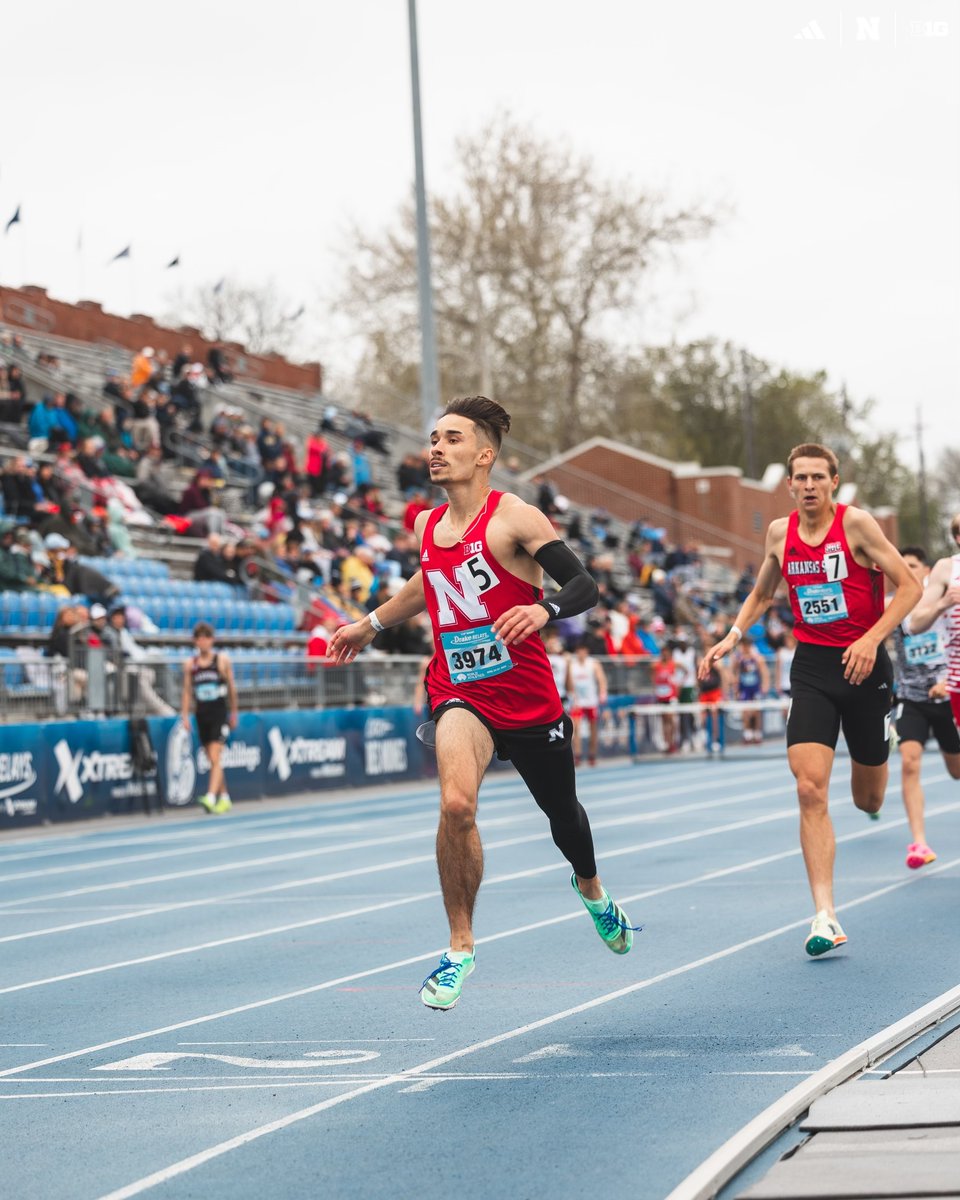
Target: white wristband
[[374, 621], [737, 630]]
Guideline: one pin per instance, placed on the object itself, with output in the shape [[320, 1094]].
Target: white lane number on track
[[312, 1059]]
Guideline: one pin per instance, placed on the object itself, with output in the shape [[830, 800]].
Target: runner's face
[[456, 451], [812, 485], [918, 569]]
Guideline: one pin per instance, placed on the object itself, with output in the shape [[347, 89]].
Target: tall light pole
[[429, 377]]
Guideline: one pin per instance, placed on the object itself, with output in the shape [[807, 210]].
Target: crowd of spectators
[[316, 529]]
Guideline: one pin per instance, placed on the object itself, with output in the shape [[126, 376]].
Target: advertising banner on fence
[[68, 769], [90, 769], [23, 776]]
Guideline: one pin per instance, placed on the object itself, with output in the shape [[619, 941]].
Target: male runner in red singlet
[[941, 598], [833, 559], [489, 685]]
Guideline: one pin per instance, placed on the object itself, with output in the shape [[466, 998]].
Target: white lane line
[[533, 814], [307, 923], [311, 1042], [236, 840], [421, 1085], [312, 989], [529, 872], [204, 1156]]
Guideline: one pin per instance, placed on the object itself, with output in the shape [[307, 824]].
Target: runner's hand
[[859, 659], [938, 691], [517, 623], [349, 640], [952, 595], [715, 652]]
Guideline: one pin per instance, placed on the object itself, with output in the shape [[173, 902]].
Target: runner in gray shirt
[[923, 709]]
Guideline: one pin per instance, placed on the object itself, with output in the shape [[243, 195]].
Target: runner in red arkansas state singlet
[[834, 599], [466, 589]]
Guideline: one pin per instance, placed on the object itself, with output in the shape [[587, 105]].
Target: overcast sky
[[247, 137]]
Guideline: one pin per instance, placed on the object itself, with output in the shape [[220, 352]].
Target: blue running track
[[227, 1007]]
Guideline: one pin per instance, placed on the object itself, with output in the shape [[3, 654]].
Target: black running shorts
[[918, 720], [212, 724], [822, 703]]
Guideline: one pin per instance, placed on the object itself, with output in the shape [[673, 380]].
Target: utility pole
[[429, 378], [922, 483]]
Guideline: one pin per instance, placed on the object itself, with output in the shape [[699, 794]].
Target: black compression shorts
[[822, 703], [543, 756], [917, 720]]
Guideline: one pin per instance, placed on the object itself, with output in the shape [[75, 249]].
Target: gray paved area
[[894, 1137]]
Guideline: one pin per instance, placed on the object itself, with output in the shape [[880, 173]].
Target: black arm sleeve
[[578, 589]]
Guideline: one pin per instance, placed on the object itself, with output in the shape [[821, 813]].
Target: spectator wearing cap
[[78, 578], [142, 368], [130, 659], [90, 459]]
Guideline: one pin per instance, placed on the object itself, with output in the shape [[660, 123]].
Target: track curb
[[714, 1172]]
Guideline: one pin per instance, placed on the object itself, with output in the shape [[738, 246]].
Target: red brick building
[[30, 308], [715, 508]]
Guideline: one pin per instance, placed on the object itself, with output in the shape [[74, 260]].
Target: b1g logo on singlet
[[472, 579]]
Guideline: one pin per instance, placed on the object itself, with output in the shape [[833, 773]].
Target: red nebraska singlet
[[466, 589], [834, 600]]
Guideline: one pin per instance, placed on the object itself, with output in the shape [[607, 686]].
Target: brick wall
[[31, 308]]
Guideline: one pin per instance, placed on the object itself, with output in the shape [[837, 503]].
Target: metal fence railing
[[93, 682]]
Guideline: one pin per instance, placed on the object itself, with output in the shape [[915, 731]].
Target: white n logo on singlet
[[473, 578]]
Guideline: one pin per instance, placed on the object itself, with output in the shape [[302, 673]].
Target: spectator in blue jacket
[[45, 418]]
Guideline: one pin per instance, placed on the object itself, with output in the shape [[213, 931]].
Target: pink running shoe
[[919, 855]]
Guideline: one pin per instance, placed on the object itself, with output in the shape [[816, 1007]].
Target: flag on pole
[[174, 262], [14, 220], [124, 253]]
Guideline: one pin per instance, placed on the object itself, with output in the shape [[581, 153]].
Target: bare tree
[[257, 316], [538, 267]]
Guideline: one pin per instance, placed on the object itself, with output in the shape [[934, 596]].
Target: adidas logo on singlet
[[425, 556]]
